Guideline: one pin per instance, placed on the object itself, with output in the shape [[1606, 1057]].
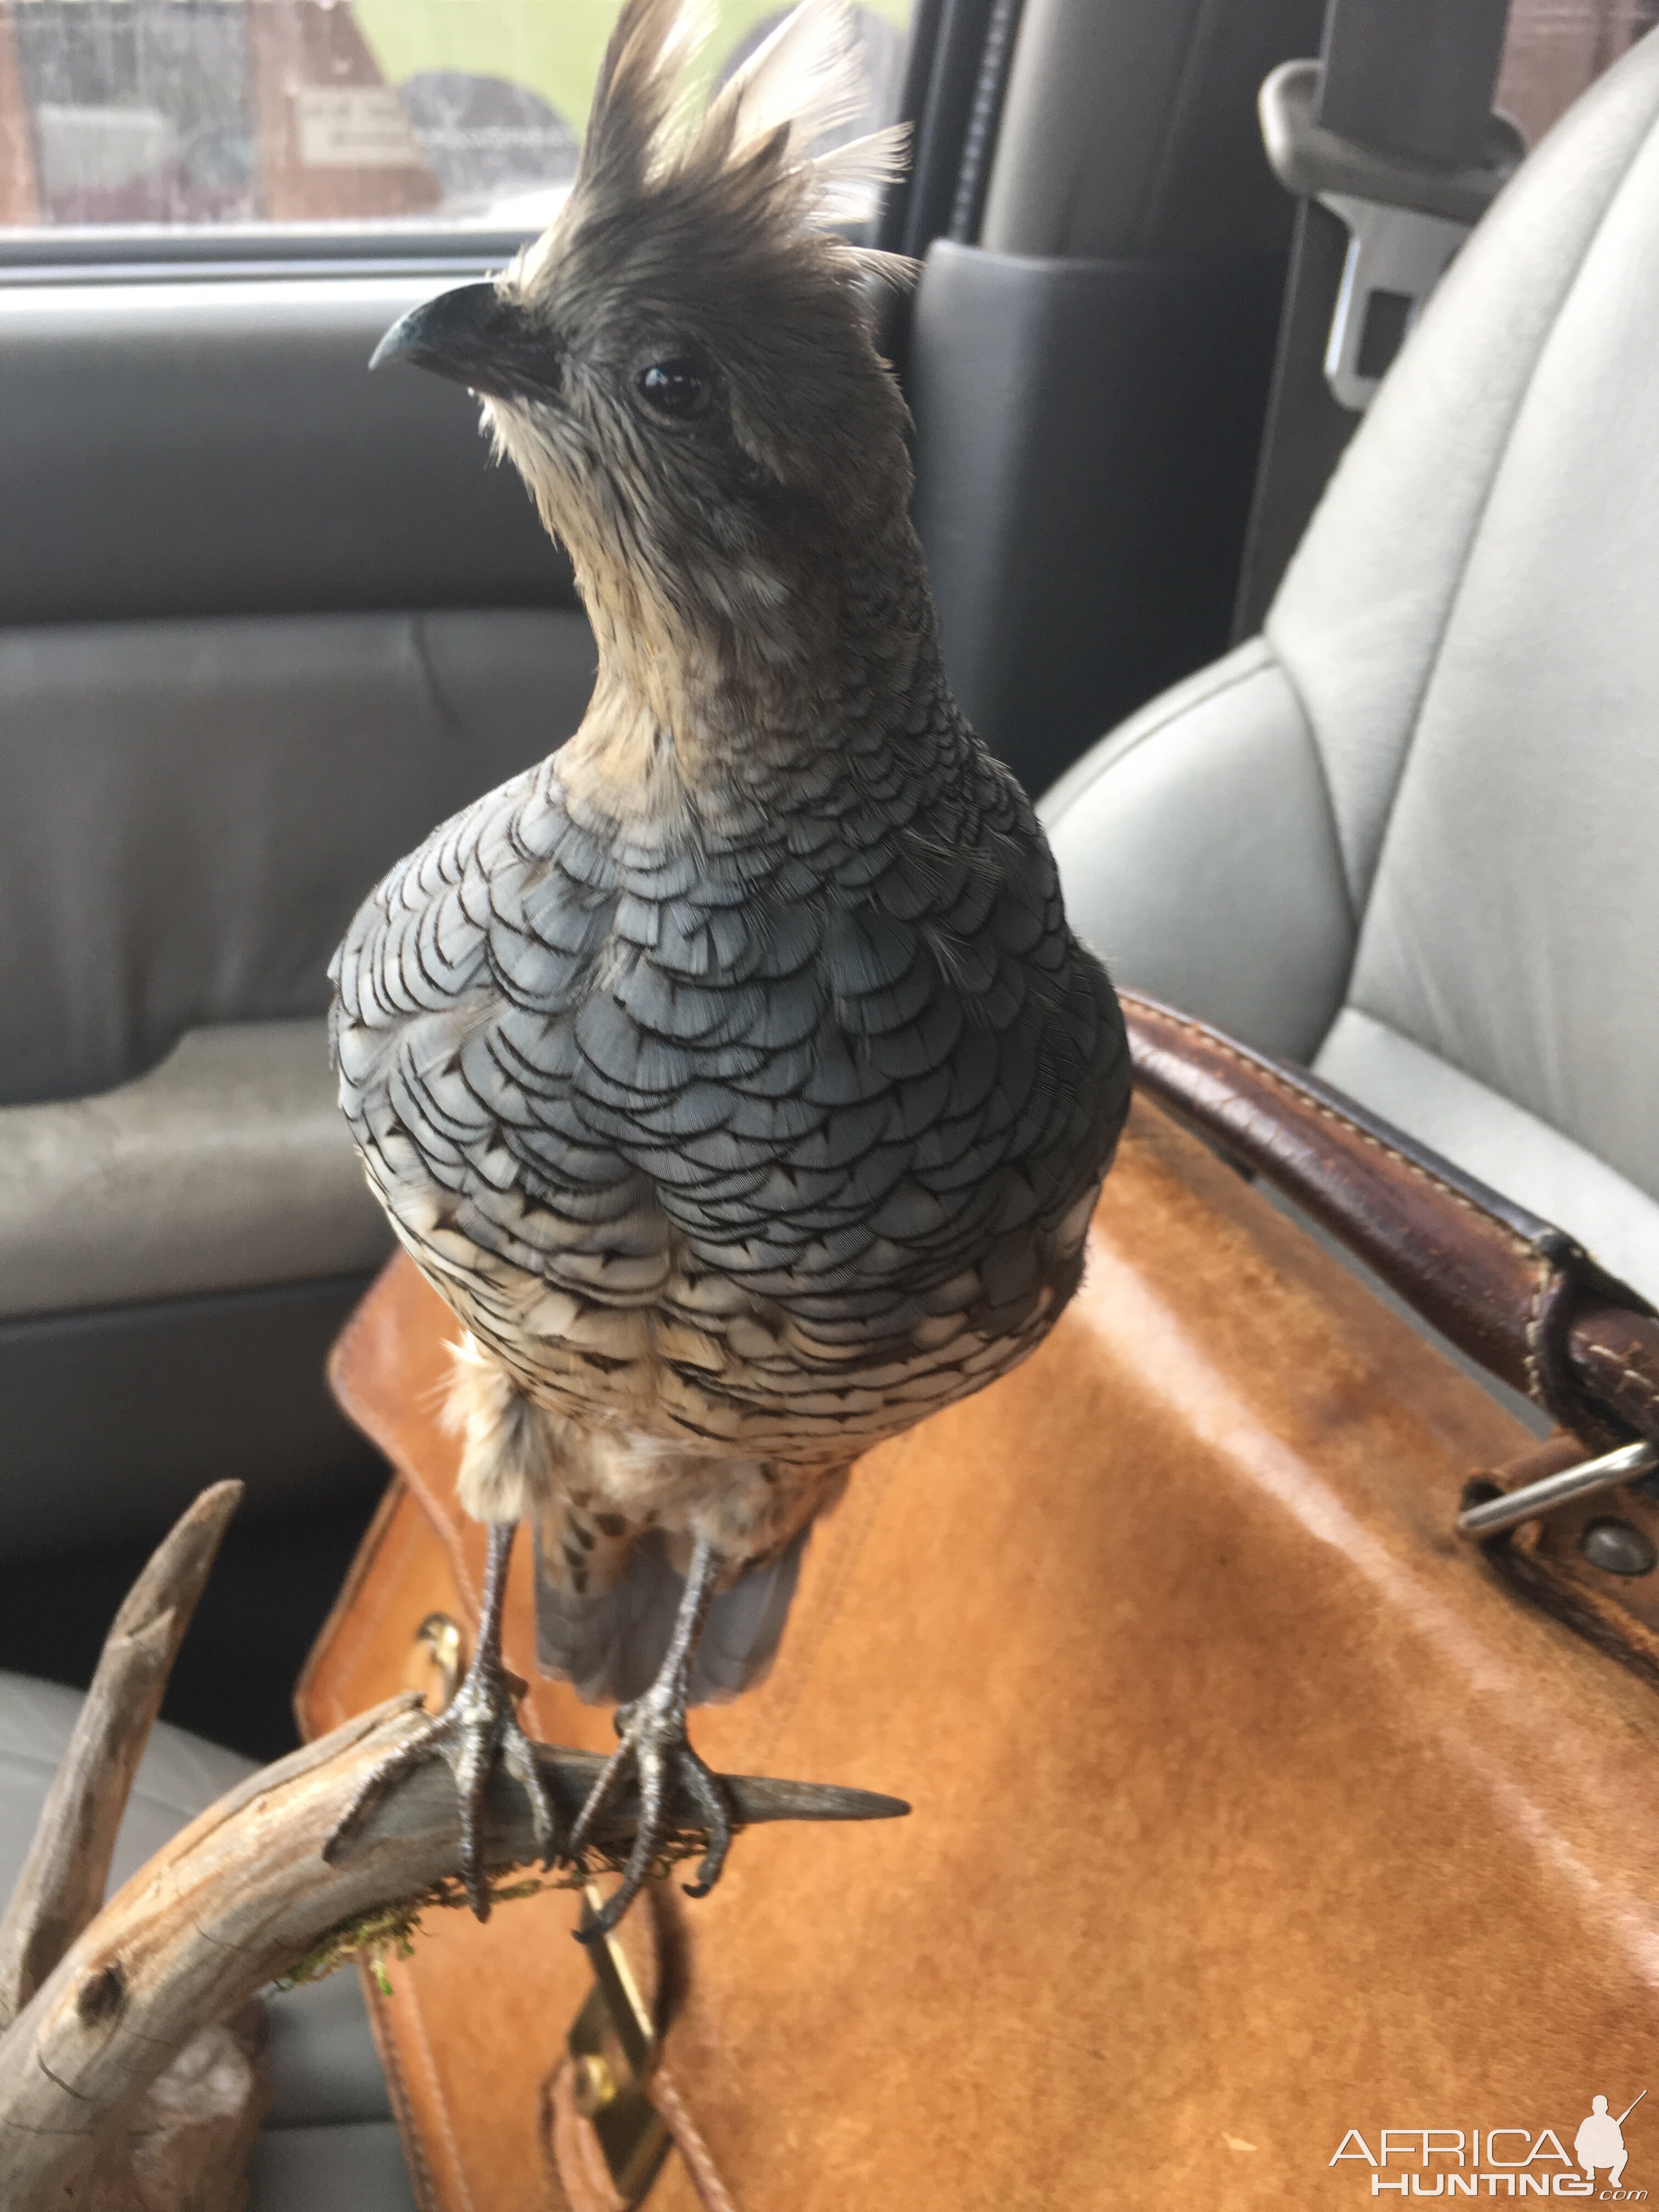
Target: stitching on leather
[[689, 2141], [1259, 1071], [409, 2133], [440, 2097], [1262, 1072], [1644, 1386]]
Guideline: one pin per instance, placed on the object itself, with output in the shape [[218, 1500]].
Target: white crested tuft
[[851, 175], [759, 132], [901, 271], [676, 62], [807, 78]]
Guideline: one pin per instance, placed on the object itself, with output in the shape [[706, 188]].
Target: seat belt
[[956, 66], [956, 71], [1389, 146]]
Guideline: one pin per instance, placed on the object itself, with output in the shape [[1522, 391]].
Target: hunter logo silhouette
[[1509, 2160], [1600, 2140]]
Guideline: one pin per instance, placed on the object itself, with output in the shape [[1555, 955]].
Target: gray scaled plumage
[[733, 1074]]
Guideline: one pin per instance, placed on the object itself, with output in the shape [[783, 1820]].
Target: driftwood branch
[[243, 1897]]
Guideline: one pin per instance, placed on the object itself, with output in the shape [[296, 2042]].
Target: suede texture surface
[[1250, 1807]]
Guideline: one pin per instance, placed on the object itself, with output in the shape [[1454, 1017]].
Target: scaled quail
[[733, 1074]]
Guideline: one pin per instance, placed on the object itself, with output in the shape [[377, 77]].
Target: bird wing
[[457, 992]]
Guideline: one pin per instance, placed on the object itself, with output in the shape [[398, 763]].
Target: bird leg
[[476, 1727], [654, 1743]]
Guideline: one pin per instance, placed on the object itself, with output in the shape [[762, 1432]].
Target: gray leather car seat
[[1408, 833], [332, 2144]]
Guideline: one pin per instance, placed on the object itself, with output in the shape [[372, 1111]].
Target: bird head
[[683, 367]]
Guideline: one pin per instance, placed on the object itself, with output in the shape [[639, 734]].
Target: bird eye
[[678, 387]]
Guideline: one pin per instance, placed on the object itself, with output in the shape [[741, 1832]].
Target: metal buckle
[[1405, 220], [1628, 1464], [1395, 259], [614, 2049], [436, 1661]]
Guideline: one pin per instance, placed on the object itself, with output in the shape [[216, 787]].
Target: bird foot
[[655, 1745], [476, 1728]]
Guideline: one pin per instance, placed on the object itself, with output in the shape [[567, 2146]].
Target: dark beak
[[474, 337]]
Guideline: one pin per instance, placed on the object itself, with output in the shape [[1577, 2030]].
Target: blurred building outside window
[[1553, 49], [148, 114]]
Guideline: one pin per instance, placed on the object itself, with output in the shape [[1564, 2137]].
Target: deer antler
[[63, 1877], [239, 1898]]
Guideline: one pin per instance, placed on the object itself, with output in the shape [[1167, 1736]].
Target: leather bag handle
[[1516, 1294]]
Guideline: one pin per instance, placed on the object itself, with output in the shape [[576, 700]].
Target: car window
[[1553, 49], [134, 114]]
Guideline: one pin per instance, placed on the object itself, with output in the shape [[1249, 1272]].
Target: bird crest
[[683, 368], [764, 159]]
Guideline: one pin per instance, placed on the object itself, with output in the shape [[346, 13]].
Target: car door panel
[[190, 810], [263, 620], [219, 446]]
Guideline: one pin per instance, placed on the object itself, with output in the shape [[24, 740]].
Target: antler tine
[[244, 1894], [63, 1877]]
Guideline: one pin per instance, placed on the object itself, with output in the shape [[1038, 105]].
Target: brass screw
[[594, 2085], [436, 1661]]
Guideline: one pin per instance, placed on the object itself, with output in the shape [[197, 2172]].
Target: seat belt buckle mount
[[1405, 220]]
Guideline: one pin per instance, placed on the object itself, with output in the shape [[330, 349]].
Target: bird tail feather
[[609, 1644]]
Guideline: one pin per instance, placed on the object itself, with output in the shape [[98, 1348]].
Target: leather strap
[[1513, 1292], [573, 2147]]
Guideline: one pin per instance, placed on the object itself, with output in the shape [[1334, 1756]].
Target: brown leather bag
[[1253, 1811]]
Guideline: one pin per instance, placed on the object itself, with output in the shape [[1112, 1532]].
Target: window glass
[[194, 112], [1555, 48]]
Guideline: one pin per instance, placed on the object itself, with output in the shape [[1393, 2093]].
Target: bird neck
[[714, 702]]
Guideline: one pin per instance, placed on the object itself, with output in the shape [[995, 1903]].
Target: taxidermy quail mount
[[733, 1074]]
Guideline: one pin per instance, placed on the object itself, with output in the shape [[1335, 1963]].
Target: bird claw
[[655, 1744], [477, 1726]]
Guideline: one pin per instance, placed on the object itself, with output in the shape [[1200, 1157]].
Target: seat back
[[1408, 833]]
